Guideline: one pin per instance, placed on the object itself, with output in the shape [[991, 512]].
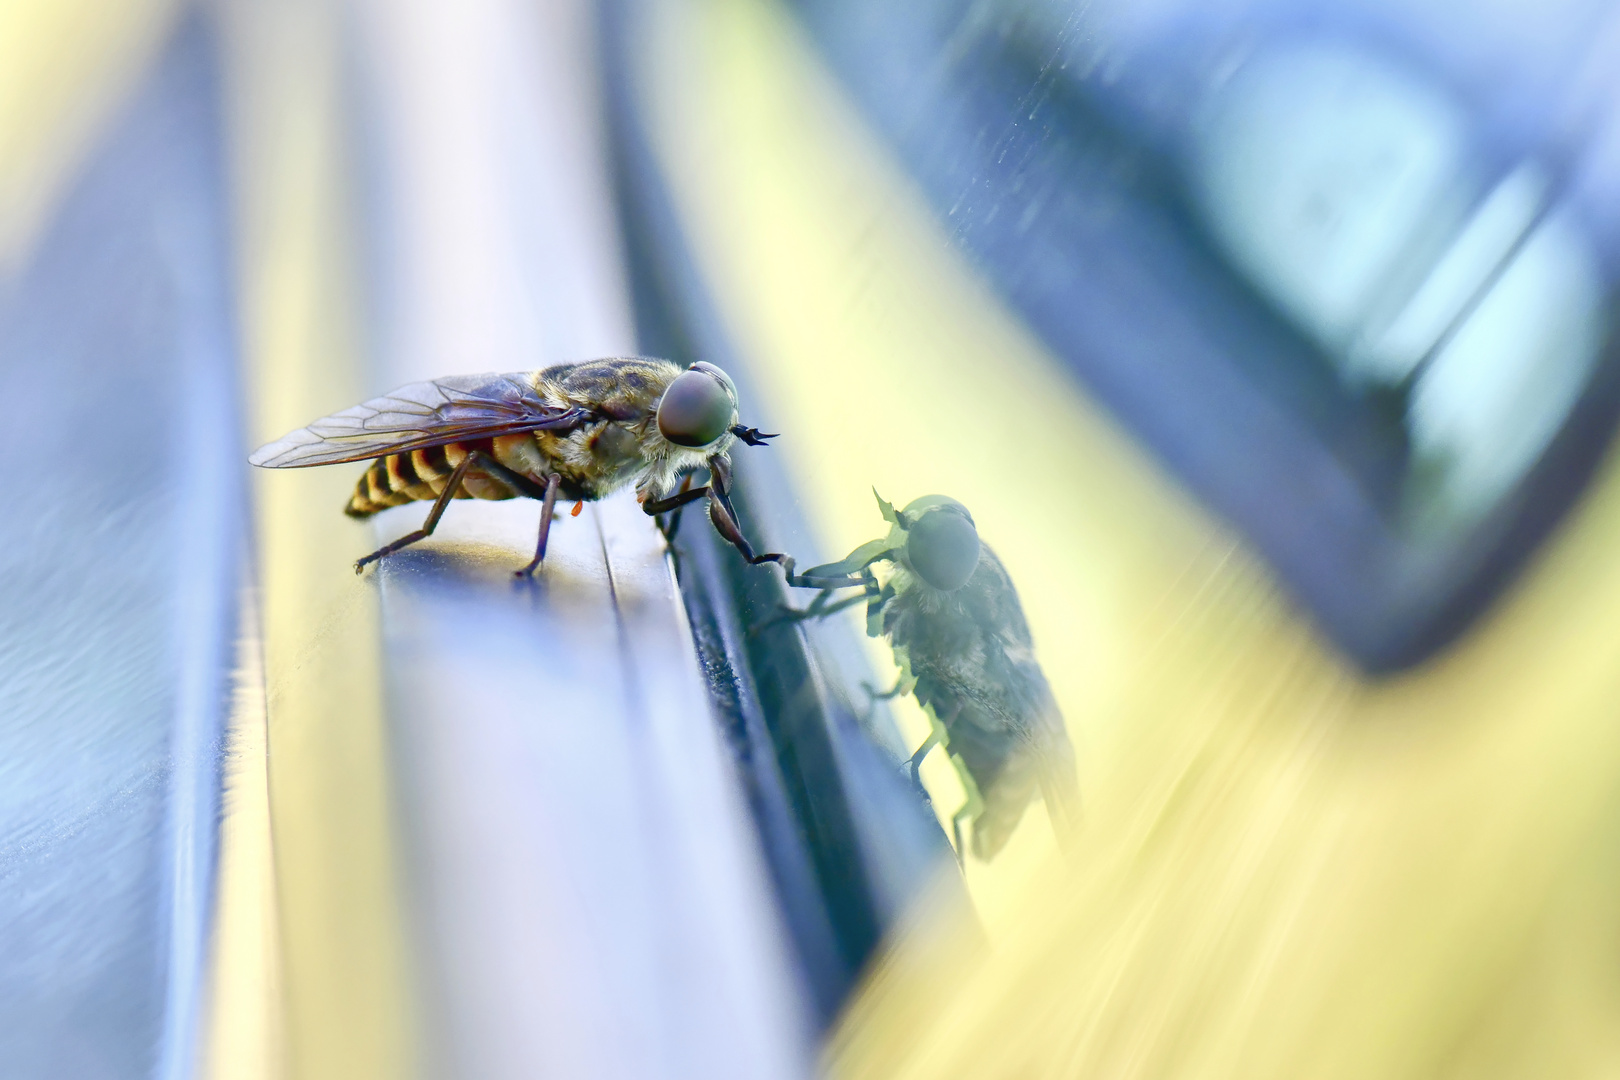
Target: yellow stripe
[[64, 66], [377, 487], [344, 974], [396, 482], [425, 469], [1283, 870], [242, 1033], [359, 500]]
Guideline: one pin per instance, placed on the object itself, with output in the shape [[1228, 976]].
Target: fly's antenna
[[751, 436], [889, 512]]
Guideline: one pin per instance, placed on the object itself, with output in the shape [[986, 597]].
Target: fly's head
[[699, 412], [698, 409]]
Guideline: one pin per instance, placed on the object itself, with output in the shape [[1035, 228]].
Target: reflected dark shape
[[943, 547], [1296, 260], [964, 650]]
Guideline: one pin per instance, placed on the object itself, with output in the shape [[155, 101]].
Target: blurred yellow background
[[1285, 869]]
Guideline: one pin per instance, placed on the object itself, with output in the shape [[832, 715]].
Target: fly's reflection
[[951, 613]]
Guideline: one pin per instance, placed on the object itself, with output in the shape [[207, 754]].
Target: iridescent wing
[[420, 415]]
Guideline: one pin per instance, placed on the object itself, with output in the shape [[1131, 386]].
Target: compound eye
[[696, 410], [709, 369], [943, 548]]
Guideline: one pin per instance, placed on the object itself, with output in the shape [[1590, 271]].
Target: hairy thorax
[[623, 446]]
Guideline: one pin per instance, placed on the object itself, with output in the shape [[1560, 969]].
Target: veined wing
[[417, 416]]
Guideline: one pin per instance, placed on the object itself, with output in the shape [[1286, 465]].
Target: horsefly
[[575, 431]]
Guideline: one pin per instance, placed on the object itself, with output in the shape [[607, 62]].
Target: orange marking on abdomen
[[577, 508], [398, 482], [376, 485], [424, 468]]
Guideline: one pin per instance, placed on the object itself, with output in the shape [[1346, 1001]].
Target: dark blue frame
[[1073, 205]]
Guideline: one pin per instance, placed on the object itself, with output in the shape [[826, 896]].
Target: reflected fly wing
[[421, 415], [1057, 777]]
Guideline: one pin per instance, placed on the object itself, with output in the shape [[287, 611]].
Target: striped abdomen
[[421, 474]]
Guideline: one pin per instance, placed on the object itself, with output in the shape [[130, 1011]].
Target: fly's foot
[[536, 563]]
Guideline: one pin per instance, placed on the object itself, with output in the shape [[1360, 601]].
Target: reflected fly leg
[[451, 486], [874, 695], [814, 610], [956, 834], [547, 506], [894, 691], [863, 580], [819, 607], [922, 752]]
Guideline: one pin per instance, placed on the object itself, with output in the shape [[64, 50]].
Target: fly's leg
[[894, 691], [863, 580], [956, 834], [725, 523], [514, 480], [451, 486], [653, 507], [821, 605], [922, 752], [670, 525], [825, 608], [971, 808], [876, 598], [546, 493], [724, 516], [721, 513], [817, 608], [873, 695], [547, 505]]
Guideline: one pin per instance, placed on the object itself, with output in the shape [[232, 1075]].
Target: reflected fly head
[[937, 540]]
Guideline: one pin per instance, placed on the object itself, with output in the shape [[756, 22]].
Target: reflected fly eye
[[943, 548], [696, 409]]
